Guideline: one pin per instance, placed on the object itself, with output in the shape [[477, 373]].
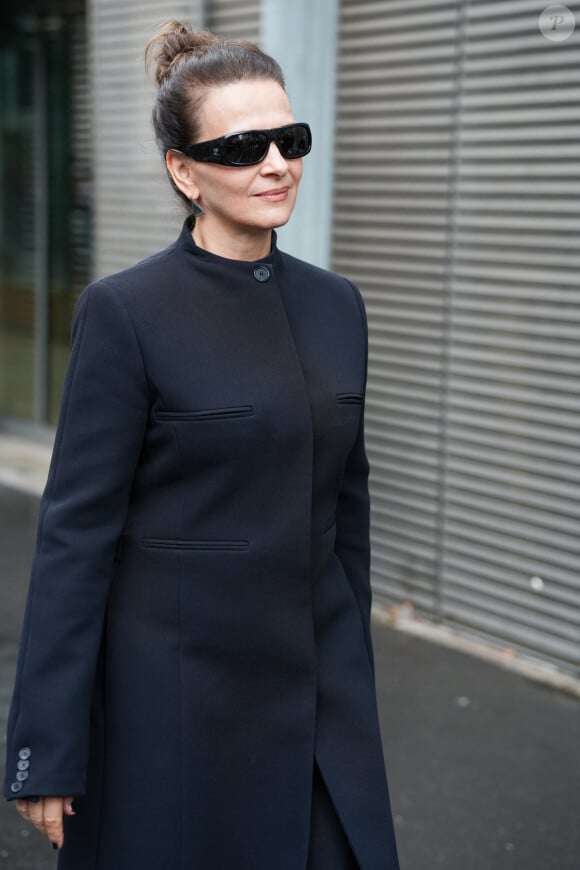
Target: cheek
[[224, 184], [239, 186], [296, 171], [227, 198]]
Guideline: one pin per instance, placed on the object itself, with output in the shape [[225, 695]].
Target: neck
[[233, 246]]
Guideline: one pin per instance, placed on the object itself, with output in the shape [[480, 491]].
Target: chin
[[278, 220], [281, 223]]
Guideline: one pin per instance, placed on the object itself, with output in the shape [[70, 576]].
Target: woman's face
[[246, 200]]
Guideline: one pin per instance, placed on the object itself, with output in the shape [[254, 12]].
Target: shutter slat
[[240, 20]]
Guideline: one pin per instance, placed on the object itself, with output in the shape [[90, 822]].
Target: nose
[[273, 161]]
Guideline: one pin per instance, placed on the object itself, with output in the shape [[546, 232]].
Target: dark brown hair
[[186, 63]]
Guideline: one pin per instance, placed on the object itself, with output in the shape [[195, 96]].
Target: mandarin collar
[[187, 243]]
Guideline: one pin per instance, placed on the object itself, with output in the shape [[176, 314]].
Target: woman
[[196, 662]]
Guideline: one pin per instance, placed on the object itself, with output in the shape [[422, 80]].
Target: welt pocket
[[349, 398], [206, 414], [183, 544]]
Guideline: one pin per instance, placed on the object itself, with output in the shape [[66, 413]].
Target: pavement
[[483, 763]]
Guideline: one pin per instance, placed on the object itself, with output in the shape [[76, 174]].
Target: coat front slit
[[197, 632]]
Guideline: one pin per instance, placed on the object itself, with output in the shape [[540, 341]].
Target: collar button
[[262, 273]]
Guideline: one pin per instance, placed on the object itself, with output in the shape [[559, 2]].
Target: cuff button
[[22, 775], [25, 753], [23, 765], [16, 787]]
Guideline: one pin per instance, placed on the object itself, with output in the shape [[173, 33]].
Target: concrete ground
[[484, 765]]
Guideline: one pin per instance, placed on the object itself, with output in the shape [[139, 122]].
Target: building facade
[[445, 181]]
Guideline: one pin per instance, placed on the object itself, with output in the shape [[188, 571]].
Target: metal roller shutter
[[136, 211], [395, 114], [239, 20], [81, 154], [458, 176], [511, 543]]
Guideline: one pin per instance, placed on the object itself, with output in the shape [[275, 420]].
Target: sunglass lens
[[294, 141], [243, 149]]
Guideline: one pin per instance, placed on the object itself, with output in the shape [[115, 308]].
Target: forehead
[[247, 105]]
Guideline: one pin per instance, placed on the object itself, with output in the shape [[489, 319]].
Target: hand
[[46, 816]]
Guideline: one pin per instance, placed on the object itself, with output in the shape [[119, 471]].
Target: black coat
[[197, 626]]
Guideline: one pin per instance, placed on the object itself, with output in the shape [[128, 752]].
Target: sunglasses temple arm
[[205, 152]]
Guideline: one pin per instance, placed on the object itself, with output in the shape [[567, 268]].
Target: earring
[[196, 209]]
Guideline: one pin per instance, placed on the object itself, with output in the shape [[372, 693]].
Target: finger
[[69, 806], [53, 812], [22, 807], [36, 815]]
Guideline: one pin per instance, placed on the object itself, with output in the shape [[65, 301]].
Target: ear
[[182, 171]]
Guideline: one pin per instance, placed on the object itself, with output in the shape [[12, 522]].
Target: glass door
[[18, 230], [45, 202]]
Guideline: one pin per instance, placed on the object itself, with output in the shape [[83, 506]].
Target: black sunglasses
[[251, 146]]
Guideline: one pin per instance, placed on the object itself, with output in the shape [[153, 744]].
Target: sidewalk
[[23, 463], [484, 765]]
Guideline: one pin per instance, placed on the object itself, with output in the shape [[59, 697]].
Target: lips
[[278, 194]]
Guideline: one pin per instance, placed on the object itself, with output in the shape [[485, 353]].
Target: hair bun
[[173, 41]]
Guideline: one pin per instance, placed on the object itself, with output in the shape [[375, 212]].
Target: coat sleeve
[[353, 511], [99, 435]]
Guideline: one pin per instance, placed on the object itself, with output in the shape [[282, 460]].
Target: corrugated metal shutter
[[237, 20], [81, 154], [395, 116], [70, 191], [462, 225], [136, 211], [511, 544]]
